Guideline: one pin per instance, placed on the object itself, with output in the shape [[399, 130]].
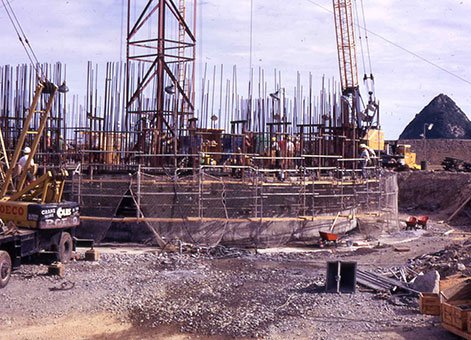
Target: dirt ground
[[136, 292], [140, 293]]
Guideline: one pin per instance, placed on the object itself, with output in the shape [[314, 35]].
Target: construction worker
[[49, 150], [22, 165], [248, 137], [235, 161], [48, 142], [62, 144], [365, 156], [63, 147], [372, 155], [290, 148], [275, 153], [297, 151]]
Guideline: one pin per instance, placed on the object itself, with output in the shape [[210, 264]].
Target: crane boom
[[345, 32], [355, 114]]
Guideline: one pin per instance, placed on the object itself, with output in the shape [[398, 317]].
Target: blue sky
[[290, 36]]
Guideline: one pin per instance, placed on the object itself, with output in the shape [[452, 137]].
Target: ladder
[[182, 69]]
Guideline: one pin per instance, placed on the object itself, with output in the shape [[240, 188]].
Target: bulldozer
[[399, 157]]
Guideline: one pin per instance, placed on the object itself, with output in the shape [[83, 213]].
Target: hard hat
[[363, 146], [27, 150], [273, 139]]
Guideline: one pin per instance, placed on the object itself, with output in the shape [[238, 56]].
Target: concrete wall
[[435, 150]]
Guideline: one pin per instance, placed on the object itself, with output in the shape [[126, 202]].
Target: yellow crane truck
[[34, 218]]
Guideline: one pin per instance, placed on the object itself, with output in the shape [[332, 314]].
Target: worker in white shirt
[[22, 165], [365, 156]]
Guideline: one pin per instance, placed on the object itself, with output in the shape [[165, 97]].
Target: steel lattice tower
[[160, 73]]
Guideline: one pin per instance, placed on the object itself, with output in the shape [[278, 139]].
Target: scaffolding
[[242, 204], [261, 161], [100, 130]]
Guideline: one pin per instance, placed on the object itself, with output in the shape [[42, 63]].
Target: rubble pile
[[454, 259], [454, 164], [449, 121]]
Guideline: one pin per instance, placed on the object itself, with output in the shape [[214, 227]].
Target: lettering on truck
[[63, 212], [59, 217], [64, 222], [48, 211], [11, 210]]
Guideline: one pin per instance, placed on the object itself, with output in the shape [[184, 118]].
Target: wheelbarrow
[[411, 223], [327, 237], [422, 221]]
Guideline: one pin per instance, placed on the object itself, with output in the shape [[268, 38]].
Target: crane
[[346, 47], [360, 118], [33, 215]]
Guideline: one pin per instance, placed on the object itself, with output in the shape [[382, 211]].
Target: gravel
[[237, 294]]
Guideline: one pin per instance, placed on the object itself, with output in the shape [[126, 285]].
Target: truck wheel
[[5, 268], [65, 247]]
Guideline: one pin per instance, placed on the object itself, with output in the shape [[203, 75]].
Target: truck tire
[[5, 268], [65, 247]]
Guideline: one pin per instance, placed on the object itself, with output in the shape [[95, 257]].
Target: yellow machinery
[[375, 139], [33, 216], [399, 156], [35, 204], [409, 156]]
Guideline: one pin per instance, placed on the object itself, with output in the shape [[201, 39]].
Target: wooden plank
[[452, 281], [457, 211], [459, 291], [401, 249], [204, 219]]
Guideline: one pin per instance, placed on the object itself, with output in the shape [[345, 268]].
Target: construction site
[[167, 204]]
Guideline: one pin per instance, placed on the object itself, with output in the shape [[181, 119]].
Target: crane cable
[[360, 37], [251, 36], [418, 56], [23, 39], [366, 37], [368, 78]]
